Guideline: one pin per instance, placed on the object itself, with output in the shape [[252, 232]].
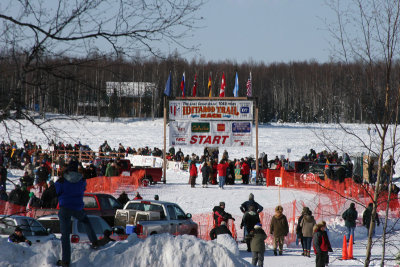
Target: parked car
[[78, 233], [31, 228], [154, 217], [103, 205]]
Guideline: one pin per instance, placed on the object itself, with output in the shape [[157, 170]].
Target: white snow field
[[166, 250]]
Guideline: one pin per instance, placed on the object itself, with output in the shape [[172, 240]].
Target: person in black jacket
[[367, 218], [205, 173], [350, 216], [249, 220], [245, 205], [220, 215], [18, 237], [219, 230], [123, 198], [49, 197]]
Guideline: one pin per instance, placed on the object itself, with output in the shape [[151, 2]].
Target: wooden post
[[256, 119], [165, 141]]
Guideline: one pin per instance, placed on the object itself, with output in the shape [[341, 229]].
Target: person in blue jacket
[[70, 189]]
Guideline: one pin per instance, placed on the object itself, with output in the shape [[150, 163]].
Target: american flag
[[248, 86]]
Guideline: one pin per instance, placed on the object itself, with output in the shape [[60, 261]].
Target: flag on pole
[[209, 86], [183, 85], [168, 86], [236, 88], [248, 86], [222, 90], [194, 85]]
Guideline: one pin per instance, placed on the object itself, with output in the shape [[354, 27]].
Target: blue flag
[[236, 88], [168, 86]]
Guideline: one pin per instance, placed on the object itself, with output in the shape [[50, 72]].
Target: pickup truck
[[102, 205], [150, 217]]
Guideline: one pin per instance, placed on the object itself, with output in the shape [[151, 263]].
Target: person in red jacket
[[137, 196], [321, 245], [245, 170], [193, 173], [222, 166]]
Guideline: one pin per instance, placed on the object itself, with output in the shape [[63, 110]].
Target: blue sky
[[263, 30]]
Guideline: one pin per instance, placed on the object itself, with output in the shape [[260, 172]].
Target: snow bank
[[227, 241], [156, 250]]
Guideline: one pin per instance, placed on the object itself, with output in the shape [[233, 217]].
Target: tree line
[[289, 92]]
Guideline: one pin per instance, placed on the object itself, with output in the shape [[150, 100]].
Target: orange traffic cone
[[350, 248], [344, 249]]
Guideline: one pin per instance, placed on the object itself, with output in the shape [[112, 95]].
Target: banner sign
[[211, 134], [211, 110]]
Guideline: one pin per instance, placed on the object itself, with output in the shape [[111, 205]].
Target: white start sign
[[211, 134]]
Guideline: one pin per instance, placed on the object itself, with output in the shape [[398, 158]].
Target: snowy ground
[[274, 139]]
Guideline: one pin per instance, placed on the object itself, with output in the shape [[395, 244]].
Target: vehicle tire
[[153, 233], [146, 181]]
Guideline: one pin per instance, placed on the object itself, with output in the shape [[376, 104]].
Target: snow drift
[[156, 250]]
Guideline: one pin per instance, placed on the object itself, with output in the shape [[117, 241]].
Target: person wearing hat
[[350, 216], [257, 244], [321, 245], [106, 238], [137, 196], [123, 198], [18, 237], [220, 215], [219, 230], [245, 205], [299, 234], [249, 220], [367, 214], [70, 189], [307, 224], [279, 227]]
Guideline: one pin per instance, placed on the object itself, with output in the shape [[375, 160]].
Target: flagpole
[[165, 141], [256, 118]]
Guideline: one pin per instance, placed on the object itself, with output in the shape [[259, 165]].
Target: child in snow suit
[[257, 237], [321, 245]]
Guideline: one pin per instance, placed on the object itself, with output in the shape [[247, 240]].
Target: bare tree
[[368, 32], [34, 32]]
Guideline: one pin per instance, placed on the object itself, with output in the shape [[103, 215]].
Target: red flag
[[194, 85], [222, 90]]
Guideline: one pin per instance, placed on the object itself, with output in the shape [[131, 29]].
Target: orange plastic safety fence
[[113, 184], [336, 191], [205, 222], [7, 208]]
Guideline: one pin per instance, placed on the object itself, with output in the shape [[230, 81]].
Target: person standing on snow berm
[[220, 215], [70, 189], [350, 216], [279, 228], [257, 237], [219, 230]]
